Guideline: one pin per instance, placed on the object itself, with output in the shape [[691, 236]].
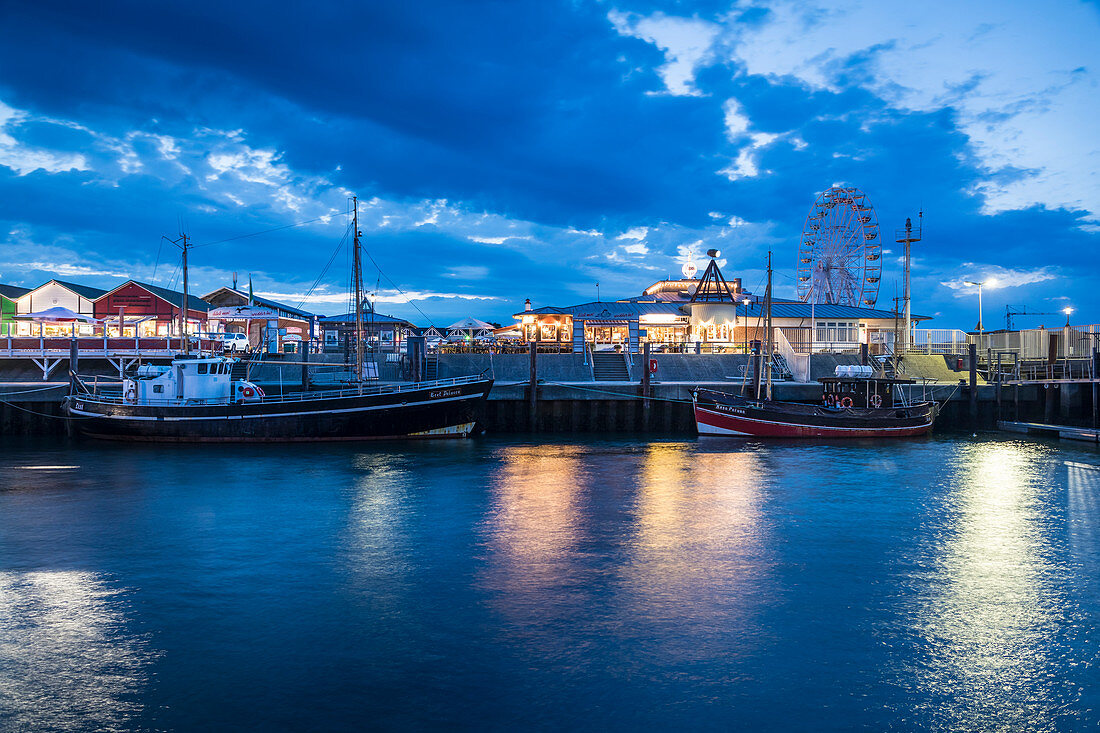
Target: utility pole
[[183, 244], [768, 333], [908, 237]]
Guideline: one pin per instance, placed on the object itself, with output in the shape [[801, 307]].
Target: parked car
[[234, 341]]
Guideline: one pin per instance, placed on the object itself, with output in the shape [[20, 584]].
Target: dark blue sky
[[505, 150]]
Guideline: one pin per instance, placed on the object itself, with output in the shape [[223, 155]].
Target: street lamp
[[1067, 311], [979, 285]]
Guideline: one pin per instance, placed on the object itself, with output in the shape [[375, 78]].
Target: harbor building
[[139, 309], [385, 333], [706, 314], [8, 296], [80, 299], [261, 318]]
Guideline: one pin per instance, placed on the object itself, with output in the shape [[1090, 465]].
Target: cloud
[[997, 278], [25, 159], [686, 42]]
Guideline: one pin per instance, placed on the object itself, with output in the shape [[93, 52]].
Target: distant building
[[673, 315], [8, 296], [148, 310], [387, 333], [57, 294], [294, 324]]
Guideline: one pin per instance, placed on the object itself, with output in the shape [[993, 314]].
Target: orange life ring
[[846, 402], [876, 400]]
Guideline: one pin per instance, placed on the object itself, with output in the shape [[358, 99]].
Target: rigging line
[[265, 231], [160, 246], [324, 271], [391, 282]]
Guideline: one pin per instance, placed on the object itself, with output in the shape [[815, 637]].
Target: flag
[[250, 288]]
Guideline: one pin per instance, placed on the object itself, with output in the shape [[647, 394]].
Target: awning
[[57, 314]]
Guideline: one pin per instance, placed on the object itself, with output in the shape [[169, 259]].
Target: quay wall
[[569, 400]]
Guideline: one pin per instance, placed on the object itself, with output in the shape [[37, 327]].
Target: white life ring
[[876, 400], [131, 393]]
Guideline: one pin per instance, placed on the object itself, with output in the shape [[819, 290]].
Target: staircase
[[609, 366], [431, 368]]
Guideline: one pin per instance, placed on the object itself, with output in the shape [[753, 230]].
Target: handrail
[[294, 396]]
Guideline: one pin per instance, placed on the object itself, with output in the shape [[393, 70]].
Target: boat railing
[[376, 389]]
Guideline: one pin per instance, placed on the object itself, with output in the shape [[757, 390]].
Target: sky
[[508, 149]]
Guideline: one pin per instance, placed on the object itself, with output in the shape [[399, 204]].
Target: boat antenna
[[184, 244], [357, 274]]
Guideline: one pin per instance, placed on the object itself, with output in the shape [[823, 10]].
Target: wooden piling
[[532, 389], [973, 385]]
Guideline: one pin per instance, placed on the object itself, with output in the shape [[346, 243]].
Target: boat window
[[202, 368], [158, 388]]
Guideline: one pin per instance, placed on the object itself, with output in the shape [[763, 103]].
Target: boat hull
[[718, 413], [419, 411]]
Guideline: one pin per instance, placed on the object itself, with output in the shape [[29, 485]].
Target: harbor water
[[947, 583]]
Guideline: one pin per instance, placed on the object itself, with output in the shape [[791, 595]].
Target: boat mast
[[768, 327], [357, 267], [186, 300]]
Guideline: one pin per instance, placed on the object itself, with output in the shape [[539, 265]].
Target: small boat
[[854, 404], [851, 407], [196, 399]]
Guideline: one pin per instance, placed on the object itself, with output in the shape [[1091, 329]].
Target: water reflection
[[533, 519], [696, 552], [67, 661], [996, 608], [1083, 506]]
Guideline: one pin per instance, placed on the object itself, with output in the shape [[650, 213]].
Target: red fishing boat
[[854, 404]]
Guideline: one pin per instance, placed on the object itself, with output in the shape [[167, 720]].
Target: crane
[[1021, 310]]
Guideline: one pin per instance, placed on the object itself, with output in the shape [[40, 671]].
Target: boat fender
[[846, 402], [876, 400]]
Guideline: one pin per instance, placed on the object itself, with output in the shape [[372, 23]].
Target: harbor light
[[1067, 311]]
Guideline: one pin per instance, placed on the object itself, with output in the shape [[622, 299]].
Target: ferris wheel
[[840, 255]]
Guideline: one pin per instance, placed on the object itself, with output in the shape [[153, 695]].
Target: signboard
[[652, 366], [242, 313]]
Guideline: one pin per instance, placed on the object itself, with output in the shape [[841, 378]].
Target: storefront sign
[[242, 313]]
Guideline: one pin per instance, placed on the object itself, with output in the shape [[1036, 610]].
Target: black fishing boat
[[196, 399]]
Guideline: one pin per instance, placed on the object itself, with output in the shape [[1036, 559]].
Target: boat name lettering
[[444, 393]]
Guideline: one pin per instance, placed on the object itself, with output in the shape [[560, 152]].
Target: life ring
[[830, 399], [876, 400], [247, 392], [846, 402], [131, 394], [260, 392]]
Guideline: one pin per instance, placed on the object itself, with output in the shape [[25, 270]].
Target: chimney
[[735, 285], [527, 304]]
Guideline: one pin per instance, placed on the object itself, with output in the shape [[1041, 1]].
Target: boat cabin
[[187, 380], [857, 388]]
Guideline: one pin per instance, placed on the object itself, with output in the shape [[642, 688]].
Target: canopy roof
[[468, 324], [57, 314]]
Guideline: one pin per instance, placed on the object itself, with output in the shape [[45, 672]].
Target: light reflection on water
[[67, 660], [994, 620], [942, 584]]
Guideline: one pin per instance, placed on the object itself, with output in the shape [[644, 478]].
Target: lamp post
[[979, 285], [1067, 311]]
